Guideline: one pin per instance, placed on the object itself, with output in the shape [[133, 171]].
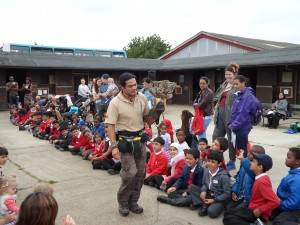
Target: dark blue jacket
[[100, 129], [243, 108], [288, 191], [243, 183], [183, 179]]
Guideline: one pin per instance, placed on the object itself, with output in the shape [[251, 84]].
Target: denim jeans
[[13, 99], [242, 140], [206, 124]]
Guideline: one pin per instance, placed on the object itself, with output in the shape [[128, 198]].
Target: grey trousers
[[221, 129], [132, 177]]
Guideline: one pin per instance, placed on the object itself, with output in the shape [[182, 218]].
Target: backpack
[[256, 119]]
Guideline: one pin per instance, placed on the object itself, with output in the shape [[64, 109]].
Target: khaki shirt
[[12, 85], [126, 115]]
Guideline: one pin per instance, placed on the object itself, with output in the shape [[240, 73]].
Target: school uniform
[[77, 142], [263, 198], [217, 187]]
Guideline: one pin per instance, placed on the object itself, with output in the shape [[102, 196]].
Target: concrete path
[[90, 196]]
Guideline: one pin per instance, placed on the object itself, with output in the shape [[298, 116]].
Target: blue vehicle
[[51, 50]]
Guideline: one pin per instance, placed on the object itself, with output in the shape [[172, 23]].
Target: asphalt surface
[[89, 195]]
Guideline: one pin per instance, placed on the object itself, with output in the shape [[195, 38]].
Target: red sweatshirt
[[157, 164], [77, 142], [263, 197], [90, 145], [99, 149], [54, 133], [44, 125], [22, 119]]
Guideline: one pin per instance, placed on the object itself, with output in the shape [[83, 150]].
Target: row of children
[[250, 199], [40, 207]]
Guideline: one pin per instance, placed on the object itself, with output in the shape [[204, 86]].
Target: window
[[61, 51], [102, 54], [119, 54], [22, 49], [83, 52], [287, 77], [39, 50]]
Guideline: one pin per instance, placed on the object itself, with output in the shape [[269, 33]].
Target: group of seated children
[[204, 183], [197, 178]]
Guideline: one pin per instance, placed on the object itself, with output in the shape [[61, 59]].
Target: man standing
[[126, 112], [105, 100], [12, 89]]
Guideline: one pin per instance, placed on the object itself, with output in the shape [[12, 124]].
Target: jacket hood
[[222, 172], [247, 89]]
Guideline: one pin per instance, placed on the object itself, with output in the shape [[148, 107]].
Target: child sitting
[[82, 125], [42, 128], [263, 199], [191, 175], [89, 147], [157, 164], [100, 144], [215, 190], [177, 163], [242, 188], [8, 190], [219, 144], [98, 128], [163, 133], [54, 131], [77, 140], [203, 147], [181, 136], [288, 191], [64, 139], [3, 159]]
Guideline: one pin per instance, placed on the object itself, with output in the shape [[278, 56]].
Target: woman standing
[[27, 88], [83, 89], [242, 111], [147, 93], [205, 102], [96, 95], [224, 97], [280, 107]]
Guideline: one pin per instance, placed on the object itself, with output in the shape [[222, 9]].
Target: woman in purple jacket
[[242, 111]]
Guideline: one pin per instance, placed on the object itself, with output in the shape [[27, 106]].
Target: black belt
[[130, 133]]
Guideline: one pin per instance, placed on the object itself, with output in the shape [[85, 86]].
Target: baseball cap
[[265, 160], [81, 123], [105, 76]]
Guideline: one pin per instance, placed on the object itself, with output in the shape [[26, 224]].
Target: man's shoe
[[202, 212], [231, 165], [135, 208], [123, 210], [163, 199]]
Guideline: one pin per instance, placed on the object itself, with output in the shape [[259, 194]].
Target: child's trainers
[[231, 165]]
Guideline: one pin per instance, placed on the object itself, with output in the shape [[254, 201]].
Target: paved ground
[[90, 196]]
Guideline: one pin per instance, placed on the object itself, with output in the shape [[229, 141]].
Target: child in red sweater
[[158, 162], [78, 140], [263, 199], [89, 147], [43, 126]]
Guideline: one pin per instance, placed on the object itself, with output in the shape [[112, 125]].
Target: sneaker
[[231, 165], [135, 208], [74, 152], [193, 207], [57, 146], [113, 172], [202, 212], [163, 199], [123, 210]]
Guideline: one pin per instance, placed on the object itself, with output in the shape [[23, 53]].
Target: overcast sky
[[111, 24]]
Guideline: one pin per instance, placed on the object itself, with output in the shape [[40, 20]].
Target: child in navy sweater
[[191, 175], [215, 191], [263, 199]]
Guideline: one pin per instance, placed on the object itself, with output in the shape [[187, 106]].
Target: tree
[[150, 47]]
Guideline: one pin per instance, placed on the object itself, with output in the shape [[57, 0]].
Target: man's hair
[[203, 140], [296, 151], [3, 151], [194, 152], [74, 128], [216, 155], [125, 77]]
